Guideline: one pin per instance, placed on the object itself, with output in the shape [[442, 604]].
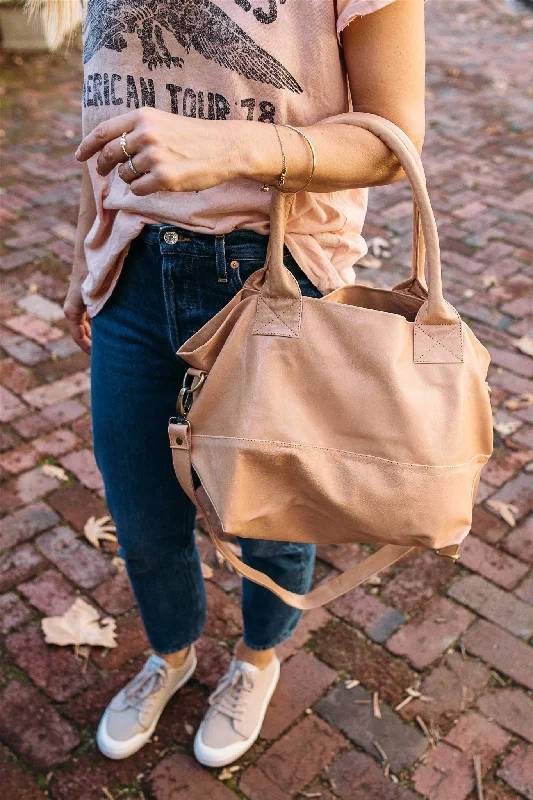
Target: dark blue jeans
[[172, 282]]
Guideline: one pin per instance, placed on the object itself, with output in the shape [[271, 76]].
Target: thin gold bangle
[[281, 180]]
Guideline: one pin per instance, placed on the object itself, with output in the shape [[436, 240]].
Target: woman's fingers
[[80, 330], [111, 155], [105, 132]]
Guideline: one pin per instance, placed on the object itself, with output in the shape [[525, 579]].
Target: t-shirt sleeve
[[350, 9]]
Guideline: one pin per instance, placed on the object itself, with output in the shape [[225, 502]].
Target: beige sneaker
[[130, 718], [238, 708]]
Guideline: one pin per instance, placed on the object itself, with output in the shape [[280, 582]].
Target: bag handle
[[280, 295], [180, 445]]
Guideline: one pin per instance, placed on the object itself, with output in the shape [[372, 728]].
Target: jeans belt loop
[[220, 258]]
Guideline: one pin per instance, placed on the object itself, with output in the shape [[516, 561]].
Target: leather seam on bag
[[256, 330], [344, 452], [422, 357]]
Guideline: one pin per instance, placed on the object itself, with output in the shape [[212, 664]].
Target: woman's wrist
[[258, 154]]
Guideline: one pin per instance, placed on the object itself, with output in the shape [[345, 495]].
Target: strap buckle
[[184, 402]]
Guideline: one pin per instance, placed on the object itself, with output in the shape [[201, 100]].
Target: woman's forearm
[[86, 217], [346, 156]]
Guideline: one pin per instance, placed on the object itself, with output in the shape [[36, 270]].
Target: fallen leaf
[[489, 281], [53, 471], [351, 684], [118, 563], [506, 427], [33, 288], [523, 400], [369, 261], [207, 572], [505, 510], [81, 624], [225, 774], [98, 530], [468, 293], [379, 247], [525, 345]]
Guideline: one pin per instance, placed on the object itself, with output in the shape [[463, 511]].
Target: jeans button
[[171, 237], [234, 264]]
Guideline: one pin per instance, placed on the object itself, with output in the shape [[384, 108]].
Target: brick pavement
[[461, 635]]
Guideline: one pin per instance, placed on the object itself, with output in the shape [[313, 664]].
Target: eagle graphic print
[[199, 25]]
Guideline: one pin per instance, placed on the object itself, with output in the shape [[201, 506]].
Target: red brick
[[17, 784], [342, 556], [518, 308], [131, 641], [25, 523], [34, 484], [19, 460], [488, 527], [310, 622], [55, 670], [83, 428], [258, 787], [297, 757], [13, 612], [55, 443], [496, 605], [115, 595], [367, 612], [213, 662], [356, 776], [19, 565], [80, 562], [525, 590], [303, 680], [517, 770], [504, 464], [511, 708], [418, 582], [50, 593], [519, 542], [345, 649], [447, 774], [493, 564], [224, 620], [34, 328], [453, 686], [83, 464], [180, 777], [10, 406], [48, 419], [76, 504], [62, 389], [502, 651], [16, 378], [518, 492], [494, 789], [475, 735], [34, 729], [431, 632]]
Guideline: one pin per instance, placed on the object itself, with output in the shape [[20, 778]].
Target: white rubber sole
[[116, 749], [222, 756]]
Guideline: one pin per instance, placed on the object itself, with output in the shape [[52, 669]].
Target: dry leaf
[[489, 281], [379, 247], [225, 774], [506, 427], [53, 471], [99, 530], [505, 510], [118, 563], [207, 572], [523, 400], [468, 293], [33, 288], [351, 684], [369, 261], [81, 624], [525, 345]]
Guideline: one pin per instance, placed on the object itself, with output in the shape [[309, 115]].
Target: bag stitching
[[421, 356], [344, 452]]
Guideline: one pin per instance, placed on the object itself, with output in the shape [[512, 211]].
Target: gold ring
[[123, 145]]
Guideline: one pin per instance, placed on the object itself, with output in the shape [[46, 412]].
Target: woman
[[172, 221]]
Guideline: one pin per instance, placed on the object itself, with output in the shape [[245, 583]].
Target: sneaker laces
[[232, 693], [145, 684]]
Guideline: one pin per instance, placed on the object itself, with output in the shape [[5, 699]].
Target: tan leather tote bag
[[362, 416]]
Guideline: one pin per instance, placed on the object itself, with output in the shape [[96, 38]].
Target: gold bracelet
[[281, 180]]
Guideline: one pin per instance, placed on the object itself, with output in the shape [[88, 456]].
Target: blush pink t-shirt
[[264, 60]]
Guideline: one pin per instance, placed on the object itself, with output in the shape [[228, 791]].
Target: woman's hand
[[176, 154], [76, 314]]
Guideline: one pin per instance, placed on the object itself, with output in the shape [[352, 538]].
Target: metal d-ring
[[184, 403]]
